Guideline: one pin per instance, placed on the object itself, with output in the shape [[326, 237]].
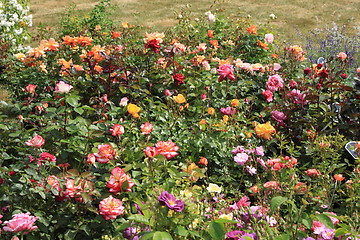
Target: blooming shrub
[[200, 132]]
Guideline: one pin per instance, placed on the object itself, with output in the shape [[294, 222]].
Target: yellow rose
[[133, 110], [179, 98], [265, 130]]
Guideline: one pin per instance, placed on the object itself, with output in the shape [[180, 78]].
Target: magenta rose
[[171, 202], [274, 83]]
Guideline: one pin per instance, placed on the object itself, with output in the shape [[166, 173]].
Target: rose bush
[[207, 131]]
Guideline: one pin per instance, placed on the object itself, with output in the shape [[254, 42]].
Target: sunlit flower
[[124, 101], [167, 149], [151, 152], [171, 202], [62, 87], [241, 158], [342, 56], [226, 71], [133, 110], [339, 177], [265, 130], [211, 111], [252, 29], [110, 208], [213, 188], [117, 179], [269, 38], [105, 153]]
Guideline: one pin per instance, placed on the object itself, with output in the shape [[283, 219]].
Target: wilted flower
[[279, 117], [297, 97], [21, 222], [37, 141], [110, 208], [171, 202], [62, 87], [178, 78], [265, 130]]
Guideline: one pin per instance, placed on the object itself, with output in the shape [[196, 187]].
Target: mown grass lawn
[[290, 14]]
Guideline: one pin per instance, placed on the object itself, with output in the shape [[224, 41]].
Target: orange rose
[[211, 111], [265, 130], [235, 102], [202, 122]]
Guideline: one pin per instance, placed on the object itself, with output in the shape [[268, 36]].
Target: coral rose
[[105, 153], [117, 130], [110, 208], [167, 149]]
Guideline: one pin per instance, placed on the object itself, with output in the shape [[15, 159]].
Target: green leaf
[[180, 230], [306, 220], [340, 232], [139, 218], [70, 234], [276, 202], [217, 231], [325, 220], [72, 100], [283, 237], [162, 236]]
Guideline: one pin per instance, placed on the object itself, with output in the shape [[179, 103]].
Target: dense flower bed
[[211, 130]]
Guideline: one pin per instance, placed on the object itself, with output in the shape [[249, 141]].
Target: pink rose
[[124, 101], [21, 222], [146, 128], [44, 156], [151, 152], [269, 38], [268, 95], [342, 56], [37, 141], [226, 71], [167, 92], [30, 88], [62, 87], [274, 83], [110, 208], [167, 149]]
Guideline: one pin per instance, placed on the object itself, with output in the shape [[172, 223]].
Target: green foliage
[[217, 160]]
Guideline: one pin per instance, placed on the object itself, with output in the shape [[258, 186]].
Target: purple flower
[[297, 97], [240, 235], [262, 163], [169, 200], [279, 117], [241, 158], [228, 111]]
